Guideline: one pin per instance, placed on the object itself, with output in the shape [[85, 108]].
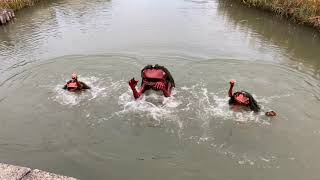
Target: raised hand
[[232, 82], [159, 86], [133, 83]]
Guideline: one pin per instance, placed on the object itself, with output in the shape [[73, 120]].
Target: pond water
[[105, 134]]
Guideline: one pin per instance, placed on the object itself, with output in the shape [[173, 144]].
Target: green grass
[[16, 4], [301, 11]]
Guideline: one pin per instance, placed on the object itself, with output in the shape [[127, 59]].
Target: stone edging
[[11, 172]]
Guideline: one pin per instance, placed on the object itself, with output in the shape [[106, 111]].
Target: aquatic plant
[[300, 11], [16, 4]]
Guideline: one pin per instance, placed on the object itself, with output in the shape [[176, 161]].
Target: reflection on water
[[298, 42]]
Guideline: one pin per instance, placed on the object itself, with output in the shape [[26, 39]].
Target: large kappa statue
[[156, 78]]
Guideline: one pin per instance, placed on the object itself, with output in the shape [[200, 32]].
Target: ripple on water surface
[[197, 115]]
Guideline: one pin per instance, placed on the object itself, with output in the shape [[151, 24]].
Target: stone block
[[10, 172], [42, 175]]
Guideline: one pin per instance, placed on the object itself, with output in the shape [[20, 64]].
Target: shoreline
[[16, 4], [8, 7], [306, 12]]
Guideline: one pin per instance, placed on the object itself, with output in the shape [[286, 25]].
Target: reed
[[16, 4], [300, 11]]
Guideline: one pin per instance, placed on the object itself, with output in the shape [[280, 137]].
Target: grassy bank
[[301, 11], [16, 4]]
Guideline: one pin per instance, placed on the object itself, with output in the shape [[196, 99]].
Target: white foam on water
[[213, 108], [75, 98], [67, 98], [193, 103], [191, 113], [208, 105], [153, 105]]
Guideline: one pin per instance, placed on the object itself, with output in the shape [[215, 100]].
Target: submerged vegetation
[[16, 4], [301, 11]]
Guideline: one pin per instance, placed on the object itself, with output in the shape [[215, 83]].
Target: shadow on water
[[300, 43]]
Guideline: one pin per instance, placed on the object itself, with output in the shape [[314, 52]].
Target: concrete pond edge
[[12, 172]]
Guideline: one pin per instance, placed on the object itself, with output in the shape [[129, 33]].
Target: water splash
[[214, 106], [193, 113], [153, 106], [70, 98], [189, 108]]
